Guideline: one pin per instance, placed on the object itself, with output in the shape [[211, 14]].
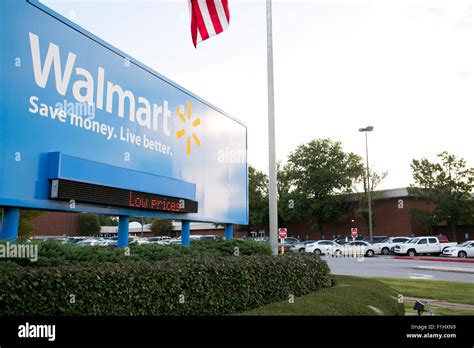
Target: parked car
[[109, 242], [141, 241], [346, 239], [73, 240], [375, 239], [90, 242], [49, 239], [462, 250], [300, 247], [358, 248], [422, 245], [323, 247], [206, 237], [155, 240], [167, 242], [112, 241], [171, 241], [136, 240], [387, 246], [289, 242]]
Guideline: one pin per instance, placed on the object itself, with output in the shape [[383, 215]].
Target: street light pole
[[272, 176], [369, 198]]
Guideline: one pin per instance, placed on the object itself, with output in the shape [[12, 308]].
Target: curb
[[432, 259], [445, 269]]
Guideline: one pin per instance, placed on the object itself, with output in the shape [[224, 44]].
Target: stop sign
[[354, 232], [282, 232]]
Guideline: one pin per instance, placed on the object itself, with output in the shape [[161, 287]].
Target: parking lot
[[388, 266]]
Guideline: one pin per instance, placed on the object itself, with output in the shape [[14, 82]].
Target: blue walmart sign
[[74, 108]]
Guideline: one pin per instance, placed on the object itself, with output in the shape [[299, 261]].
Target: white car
[[388, 245], [301, 246], [141, 241], [462, 250], [156, 240], [171, 241], [358, 248], [91, 242], [422, 245], [322, 247]]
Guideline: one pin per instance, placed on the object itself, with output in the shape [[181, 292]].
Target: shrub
[[53, 253], [230, 247], [183, 286]]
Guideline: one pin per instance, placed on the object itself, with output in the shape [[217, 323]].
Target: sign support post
[[122, 241], [11, 220], [185, 233], [282, 234], [228, 231]]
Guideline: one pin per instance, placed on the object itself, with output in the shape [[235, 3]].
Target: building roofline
[[380, 194]]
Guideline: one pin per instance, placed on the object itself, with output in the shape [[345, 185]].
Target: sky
[[404, 67]]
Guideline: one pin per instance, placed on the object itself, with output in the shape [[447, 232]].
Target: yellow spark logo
[[182, 131]]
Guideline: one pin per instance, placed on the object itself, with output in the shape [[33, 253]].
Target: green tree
[[283, 193], [318, 174], [162, 227], [88, 224], [258, 198], [106, 220], [447, 185], [362, 209], [26, 226]]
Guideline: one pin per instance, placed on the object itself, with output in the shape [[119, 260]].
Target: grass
[[432, 289], [350, 296]]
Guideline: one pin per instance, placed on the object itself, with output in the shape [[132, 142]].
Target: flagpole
[[272, 178]]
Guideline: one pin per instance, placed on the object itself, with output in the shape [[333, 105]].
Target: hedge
[[53, 253], [206, 285]]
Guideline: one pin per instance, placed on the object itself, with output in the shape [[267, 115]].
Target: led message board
[[66, 190]]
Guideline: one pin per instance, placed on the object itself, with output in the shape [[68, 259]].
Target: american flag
[[208, 18]]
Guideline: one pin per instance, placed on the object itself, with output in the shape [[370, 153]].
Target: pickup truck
[[422, 245]]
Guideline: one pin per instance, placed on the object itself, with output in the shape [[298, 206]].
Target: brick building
[[56, 224], [391, 211], [53, 224], [391, 217]]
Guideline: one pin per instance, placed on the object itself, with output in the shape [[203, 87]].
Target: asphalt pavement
[[387, 266]]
